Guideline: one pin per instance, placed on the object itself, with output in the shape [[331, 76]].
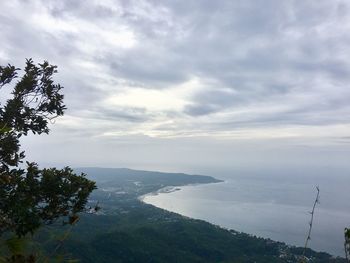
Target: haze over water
[[270, 204]]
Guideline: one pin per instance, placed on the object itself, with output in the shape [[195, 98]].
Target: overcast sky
[[189, 85]]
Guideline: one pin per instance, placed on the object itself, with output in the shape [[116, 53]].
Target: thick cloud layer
[[175, 69]]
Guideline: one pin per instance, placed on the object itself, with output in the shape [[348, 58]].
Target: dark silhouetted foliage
[[347, 243], [31, 197]]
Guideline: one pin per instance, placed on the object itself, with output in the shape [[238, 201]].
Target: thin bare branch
[[317, 201]]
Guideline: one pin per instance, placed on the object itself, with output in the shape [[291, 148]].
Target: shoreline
[[165, 189], [170, 189]]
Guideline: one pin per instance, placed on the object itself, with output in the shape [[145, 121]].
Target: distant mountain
[[125, 174], [119, 177]]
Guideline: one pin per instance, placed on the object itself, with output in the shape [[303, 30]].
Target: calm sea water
[[270, 207]]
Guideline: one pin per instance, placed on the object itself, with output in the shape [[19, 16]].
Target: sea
[[270, 204]]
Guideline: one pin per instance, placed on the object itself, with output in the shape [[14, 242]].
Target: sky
[[189, 85]]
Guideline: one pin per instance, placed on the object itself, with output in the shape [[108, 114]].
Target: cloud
[[180, 68]]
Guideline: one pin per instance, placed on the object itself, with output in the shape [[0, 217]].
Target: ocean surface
[[270, 206]]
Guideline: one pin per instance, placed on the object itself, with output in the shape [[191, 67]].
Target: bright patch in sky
[[173, 70]]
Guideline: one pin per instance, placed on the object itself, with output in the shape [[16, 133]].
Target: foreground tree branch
[[31, 197]]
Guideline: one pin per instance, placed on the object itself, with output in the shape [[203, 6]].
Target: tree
[[31, 197], [347, 243]]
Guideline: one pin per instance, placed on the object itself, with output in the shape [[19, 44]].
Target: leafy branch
[[347, 244]]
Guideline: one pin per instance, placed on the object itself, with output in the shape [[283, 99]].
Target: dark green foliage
[[35, 197], [31, 197], [347, 243], [35, 100]]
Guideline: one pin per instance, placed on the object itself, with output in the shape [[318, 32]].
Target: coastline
[[173, 188], [136, 211], [290, 242], [165, 189]]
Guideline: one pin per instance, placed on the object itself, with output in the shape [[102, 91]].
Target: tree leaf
[[15, 245]]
